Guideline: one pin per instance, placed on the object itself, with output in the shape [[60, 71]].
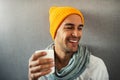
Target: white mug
[[50, 54]]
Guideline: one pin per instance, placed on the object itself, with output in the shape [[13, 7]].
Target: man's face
[[69, 33]]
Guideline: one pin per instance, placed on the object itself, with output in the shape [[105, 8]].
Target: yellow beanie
[[58, 14]]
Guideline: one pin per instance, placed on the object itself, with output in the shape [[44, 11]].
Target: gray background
[[24, 28]]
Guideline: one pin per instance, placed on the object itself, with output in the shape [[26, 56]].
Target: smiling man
[[72, 60]]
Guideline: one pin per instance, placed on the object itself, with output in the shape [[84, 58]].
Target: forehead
[[71, 19], [74, 18]]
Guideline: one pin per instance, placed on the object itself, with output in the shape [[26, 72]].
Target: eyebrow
[[71, 24]]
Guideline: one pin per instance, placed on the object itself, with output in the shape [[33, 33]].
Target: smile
[[73, 41]]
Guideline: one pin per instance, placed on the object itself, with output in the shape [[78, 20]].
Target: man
[[72, 60]]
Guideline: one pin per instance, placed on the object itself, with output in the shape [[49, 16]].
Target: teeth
[[73, 40]]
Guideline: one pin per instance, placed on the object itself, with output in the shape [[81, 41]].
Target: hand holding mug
[[41, 63]]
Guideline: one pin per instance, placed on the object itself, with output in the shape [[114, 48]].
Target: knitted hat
[[58, 14]]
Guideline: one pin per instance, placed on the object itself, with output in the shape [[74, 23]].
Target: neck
[[61, 58]]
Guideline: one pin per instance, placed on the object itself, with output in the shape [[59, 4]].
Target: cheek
[[62, 37], [65, 35], [59, 37], [81, 33]]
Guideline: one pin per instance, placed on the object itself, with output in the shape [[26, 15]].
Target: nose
[[76, 33]]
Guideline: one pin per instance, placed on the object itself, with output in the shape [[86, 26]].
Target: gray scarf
[[75, 67]]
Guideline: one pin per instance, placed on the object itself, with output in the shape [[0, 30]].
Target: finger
[[40, 62], [41, 68], [36, 55], [45, 60], [39, 74]]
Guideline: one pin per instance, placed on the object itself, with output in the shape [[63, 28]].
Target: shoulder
[[96, 61], [96, 64], [96, 69]]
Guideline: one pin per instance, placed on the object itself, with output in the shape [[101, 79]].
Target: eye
[[69, 26], [80, 27]]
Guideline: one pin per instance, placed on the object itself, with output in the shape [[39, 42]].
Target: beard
[[71, 44]]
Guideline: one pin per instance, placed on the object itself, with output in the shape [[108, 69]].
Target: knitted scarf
[[75, 67]]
